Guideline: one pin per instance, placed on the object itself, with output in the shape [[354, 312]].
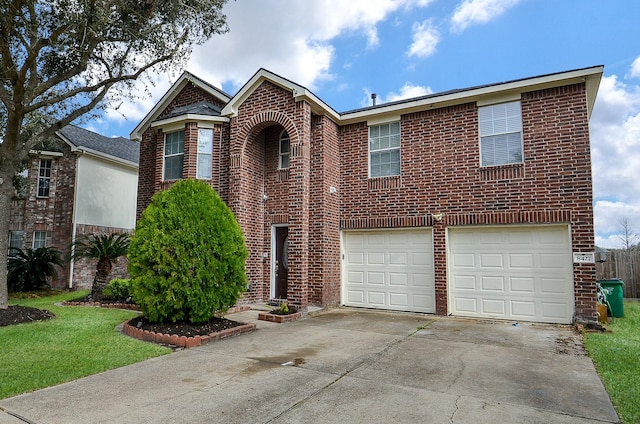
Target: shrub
[[31, 269], [118, 289], [187, 255]]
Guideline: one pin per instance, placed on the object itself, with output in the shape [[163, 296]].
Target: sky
[[344, 50]]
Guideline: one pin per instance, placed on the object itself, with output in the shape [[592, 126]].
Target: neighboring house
[[82, 183], [473, 202]]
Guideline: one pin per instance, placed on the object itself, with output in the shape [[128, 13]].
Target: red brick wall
[[441, 174]]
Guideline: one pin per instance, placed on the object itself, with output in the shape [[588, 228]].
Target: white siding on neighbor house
[[389, 269], [511, 272], [106, 193]]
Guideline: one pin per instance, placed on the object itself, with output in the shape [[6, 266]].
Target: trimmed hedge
[[187, 255]]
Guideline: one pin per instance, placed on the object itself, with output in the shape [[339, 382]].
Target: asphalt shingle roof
[[119, 147]]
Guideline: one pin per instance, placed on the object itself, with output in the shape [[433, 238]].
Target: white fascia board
[[591, 76], [46, 153], [189, 117], [185, 78]]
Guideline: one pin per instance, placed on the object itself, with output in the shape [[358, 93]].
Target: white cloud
[[635, 68], [425, 39], [470, 12], [615, 153], [407, 91]]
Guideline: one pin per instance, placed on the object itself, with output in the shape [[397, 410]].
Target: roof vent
[[373, 98]]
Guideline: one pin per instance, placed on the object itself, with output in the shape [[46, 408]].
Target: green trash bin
[[614, 290]]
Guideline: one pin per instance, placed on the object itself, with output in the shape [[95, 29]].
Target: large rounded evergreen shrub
[[187, 255]]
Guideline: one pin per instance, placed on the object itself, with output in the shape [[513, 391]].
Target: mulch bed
[[182, 334], [184, 328], [23, 314]]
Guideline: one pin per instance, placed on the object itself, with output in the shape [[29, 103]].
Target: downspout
[[73, 219]]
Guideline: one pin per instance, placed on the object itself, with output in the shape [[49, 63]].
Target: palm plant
[[30, 269], [106, 249]]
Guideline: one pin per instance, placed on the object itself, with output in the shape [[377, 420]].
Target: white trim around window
[[384, 150], [284, 150], [39, 239], [205, 154], [173, 155], [44, 177], [500, 128]]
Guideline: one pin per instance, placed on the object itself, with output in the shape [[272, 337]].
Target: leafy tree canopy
[[62, 59]]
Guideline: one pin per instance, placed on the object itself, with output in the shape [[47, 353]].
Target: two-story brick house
[[470, 202], [81, 183]]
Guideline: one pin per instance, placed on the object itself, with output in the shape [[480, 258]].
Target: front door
[[282, 262]]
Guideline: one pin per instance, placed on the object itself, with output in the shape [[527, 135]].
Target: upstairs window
[[285, 150], [500, 134], [39, 239], [205, 153], [173, 155], [384, 150], [44, 177]]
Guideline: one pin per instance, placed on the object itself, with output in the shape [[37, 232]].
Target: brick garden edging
[[268, 316], [184, 341]]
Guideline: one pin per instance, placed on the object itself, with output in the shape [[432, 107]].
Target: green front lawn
[[616, 355], [80, 341]]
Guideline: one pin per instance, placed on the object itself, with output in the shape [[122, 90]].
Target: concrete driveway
[[344, 366]]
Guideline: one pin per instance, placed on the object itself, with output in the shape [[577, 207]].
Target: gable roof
[[299, 93], [482, 94], [171, 94], [118, 148]]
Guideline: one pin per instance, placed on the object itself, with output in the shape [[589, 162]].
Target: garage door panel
[[464, 282], [375, 258], [375, 278], [398, 279], [398, 258], [523, 309], [491, 260], [356, 297], [521, 261], [467, 260], [493, 284], [553, 286], [494, 307], [534, 282], [398, 269], [355, 277], [399, 300], [355, 258], [522, 285]]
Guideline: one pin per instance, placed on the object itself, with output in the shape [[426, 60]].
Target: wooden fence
[[625, 265]]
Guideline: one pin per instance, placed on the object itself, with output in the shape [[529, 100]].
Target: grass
[[616, 355], [79, 342]]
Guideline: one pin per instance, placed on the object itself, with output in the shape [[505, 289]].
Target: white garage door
[[389, 269], [518, 273]]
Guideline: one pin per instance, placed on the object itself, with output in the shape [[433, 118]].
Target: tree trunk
[[101, 279], [6, 194]]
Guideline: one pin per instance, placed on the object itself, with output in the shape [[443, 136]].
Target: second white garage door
[[389, 269], [518, 273]]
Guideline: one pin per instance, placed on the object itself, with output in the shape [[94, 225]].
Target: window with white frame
[[285, 150], [205, 153], [173, 155], [500, 134], [39, 239], [384, 150], [15, 240], [44, 177]]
